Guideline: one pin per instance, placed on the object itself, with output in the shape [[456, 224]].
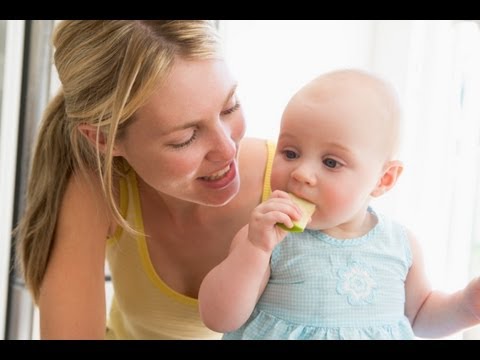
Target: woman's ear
[[90, 133], [391, 173]]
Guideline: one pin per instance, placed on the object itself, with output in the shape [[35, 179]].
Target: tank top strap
[[267, 190]]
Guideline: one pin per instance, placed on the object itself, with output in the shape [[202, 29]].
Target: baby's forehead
[[351, 99]]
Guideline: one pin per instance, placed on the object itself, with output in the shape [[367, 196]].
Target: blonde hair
[[108, 69]]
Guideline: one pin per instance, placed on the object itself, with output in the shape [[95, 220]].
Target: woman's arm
[[229, 292], [433, 313], [72, 295]]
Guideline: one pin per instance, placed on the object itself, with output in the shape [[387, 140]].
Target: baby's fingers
[[285, 205], [270, 219], [279, 194]]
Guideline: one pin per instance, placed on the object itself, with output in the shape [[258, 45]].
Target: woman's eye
[[331, 163], [186, 143], [232, 109]]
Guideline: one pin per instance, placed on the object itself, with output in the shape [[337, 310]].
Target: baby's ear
[[391, 173], [90, 133]]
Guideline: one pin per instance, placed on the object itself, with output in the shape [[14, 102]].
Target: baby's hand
[[472, 298], [279, 208], [307, 209]]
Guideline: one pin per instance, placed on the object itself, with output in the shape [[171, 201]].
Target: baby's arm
[[433, 313], [229, 292]]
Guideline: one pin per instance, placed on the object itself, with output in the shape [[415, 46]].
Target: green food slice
[[307, 210]]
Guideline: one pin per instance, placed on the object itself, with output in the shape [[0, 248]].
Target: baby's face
[[331, 151]]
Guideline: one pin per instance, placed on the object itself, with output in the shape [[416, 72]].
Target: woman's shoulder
[[84, 203], [253, 157], [253, 153], [86, 186], [252, 163]]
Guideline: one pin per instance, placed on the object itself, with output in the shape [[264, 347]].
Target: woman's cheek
[[239, 131]]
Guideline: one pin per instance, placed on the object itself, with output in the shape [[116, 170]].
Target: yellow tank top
[[143, 306]]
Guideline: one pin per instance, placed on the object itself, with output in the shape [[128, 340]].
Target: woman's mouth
[[221, 178], [218, 175]]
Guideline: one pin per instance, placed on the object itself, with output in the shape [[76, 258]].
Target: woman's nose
[[223, 147]]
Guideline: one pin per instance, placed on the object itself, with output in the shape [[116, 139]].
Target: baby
[[353, 273]]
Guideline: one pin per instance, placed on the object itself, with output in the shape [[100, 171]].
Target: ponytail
[[52, 165]]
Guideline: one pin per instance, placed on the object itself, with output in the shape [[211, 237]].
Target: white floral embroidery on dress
[[355, 282]]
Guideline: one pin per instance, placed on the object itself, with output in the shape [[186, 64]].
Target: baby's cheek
[[336, 200], [279, 178]]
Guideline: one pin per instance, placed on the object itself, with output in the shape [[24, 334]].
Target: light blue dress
[[324, 288]]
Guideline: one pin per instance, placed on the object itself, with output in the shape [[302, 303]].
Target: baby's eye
[[289, 154], [331, 163]]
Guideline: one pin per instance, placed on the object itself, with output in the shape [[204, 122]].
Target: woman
[[140, 161]]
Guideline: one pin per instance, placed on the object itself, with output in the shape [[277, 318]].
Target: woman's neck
[[180, 213]]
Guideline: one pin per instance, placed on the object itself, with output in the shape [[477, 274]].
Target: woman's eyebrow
[[195, 122]]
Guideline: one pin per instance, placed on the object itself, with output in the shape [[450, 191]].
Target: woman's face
[[184, 142]]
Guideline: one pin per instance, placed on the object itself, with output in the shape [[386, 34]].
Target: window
[[11, 56]]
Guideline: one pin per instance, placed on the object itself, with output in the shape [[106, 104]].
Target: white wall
[[273, 58]]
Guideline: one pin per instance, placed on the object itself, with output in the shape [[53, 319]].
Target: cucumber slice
[[307, 210]]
